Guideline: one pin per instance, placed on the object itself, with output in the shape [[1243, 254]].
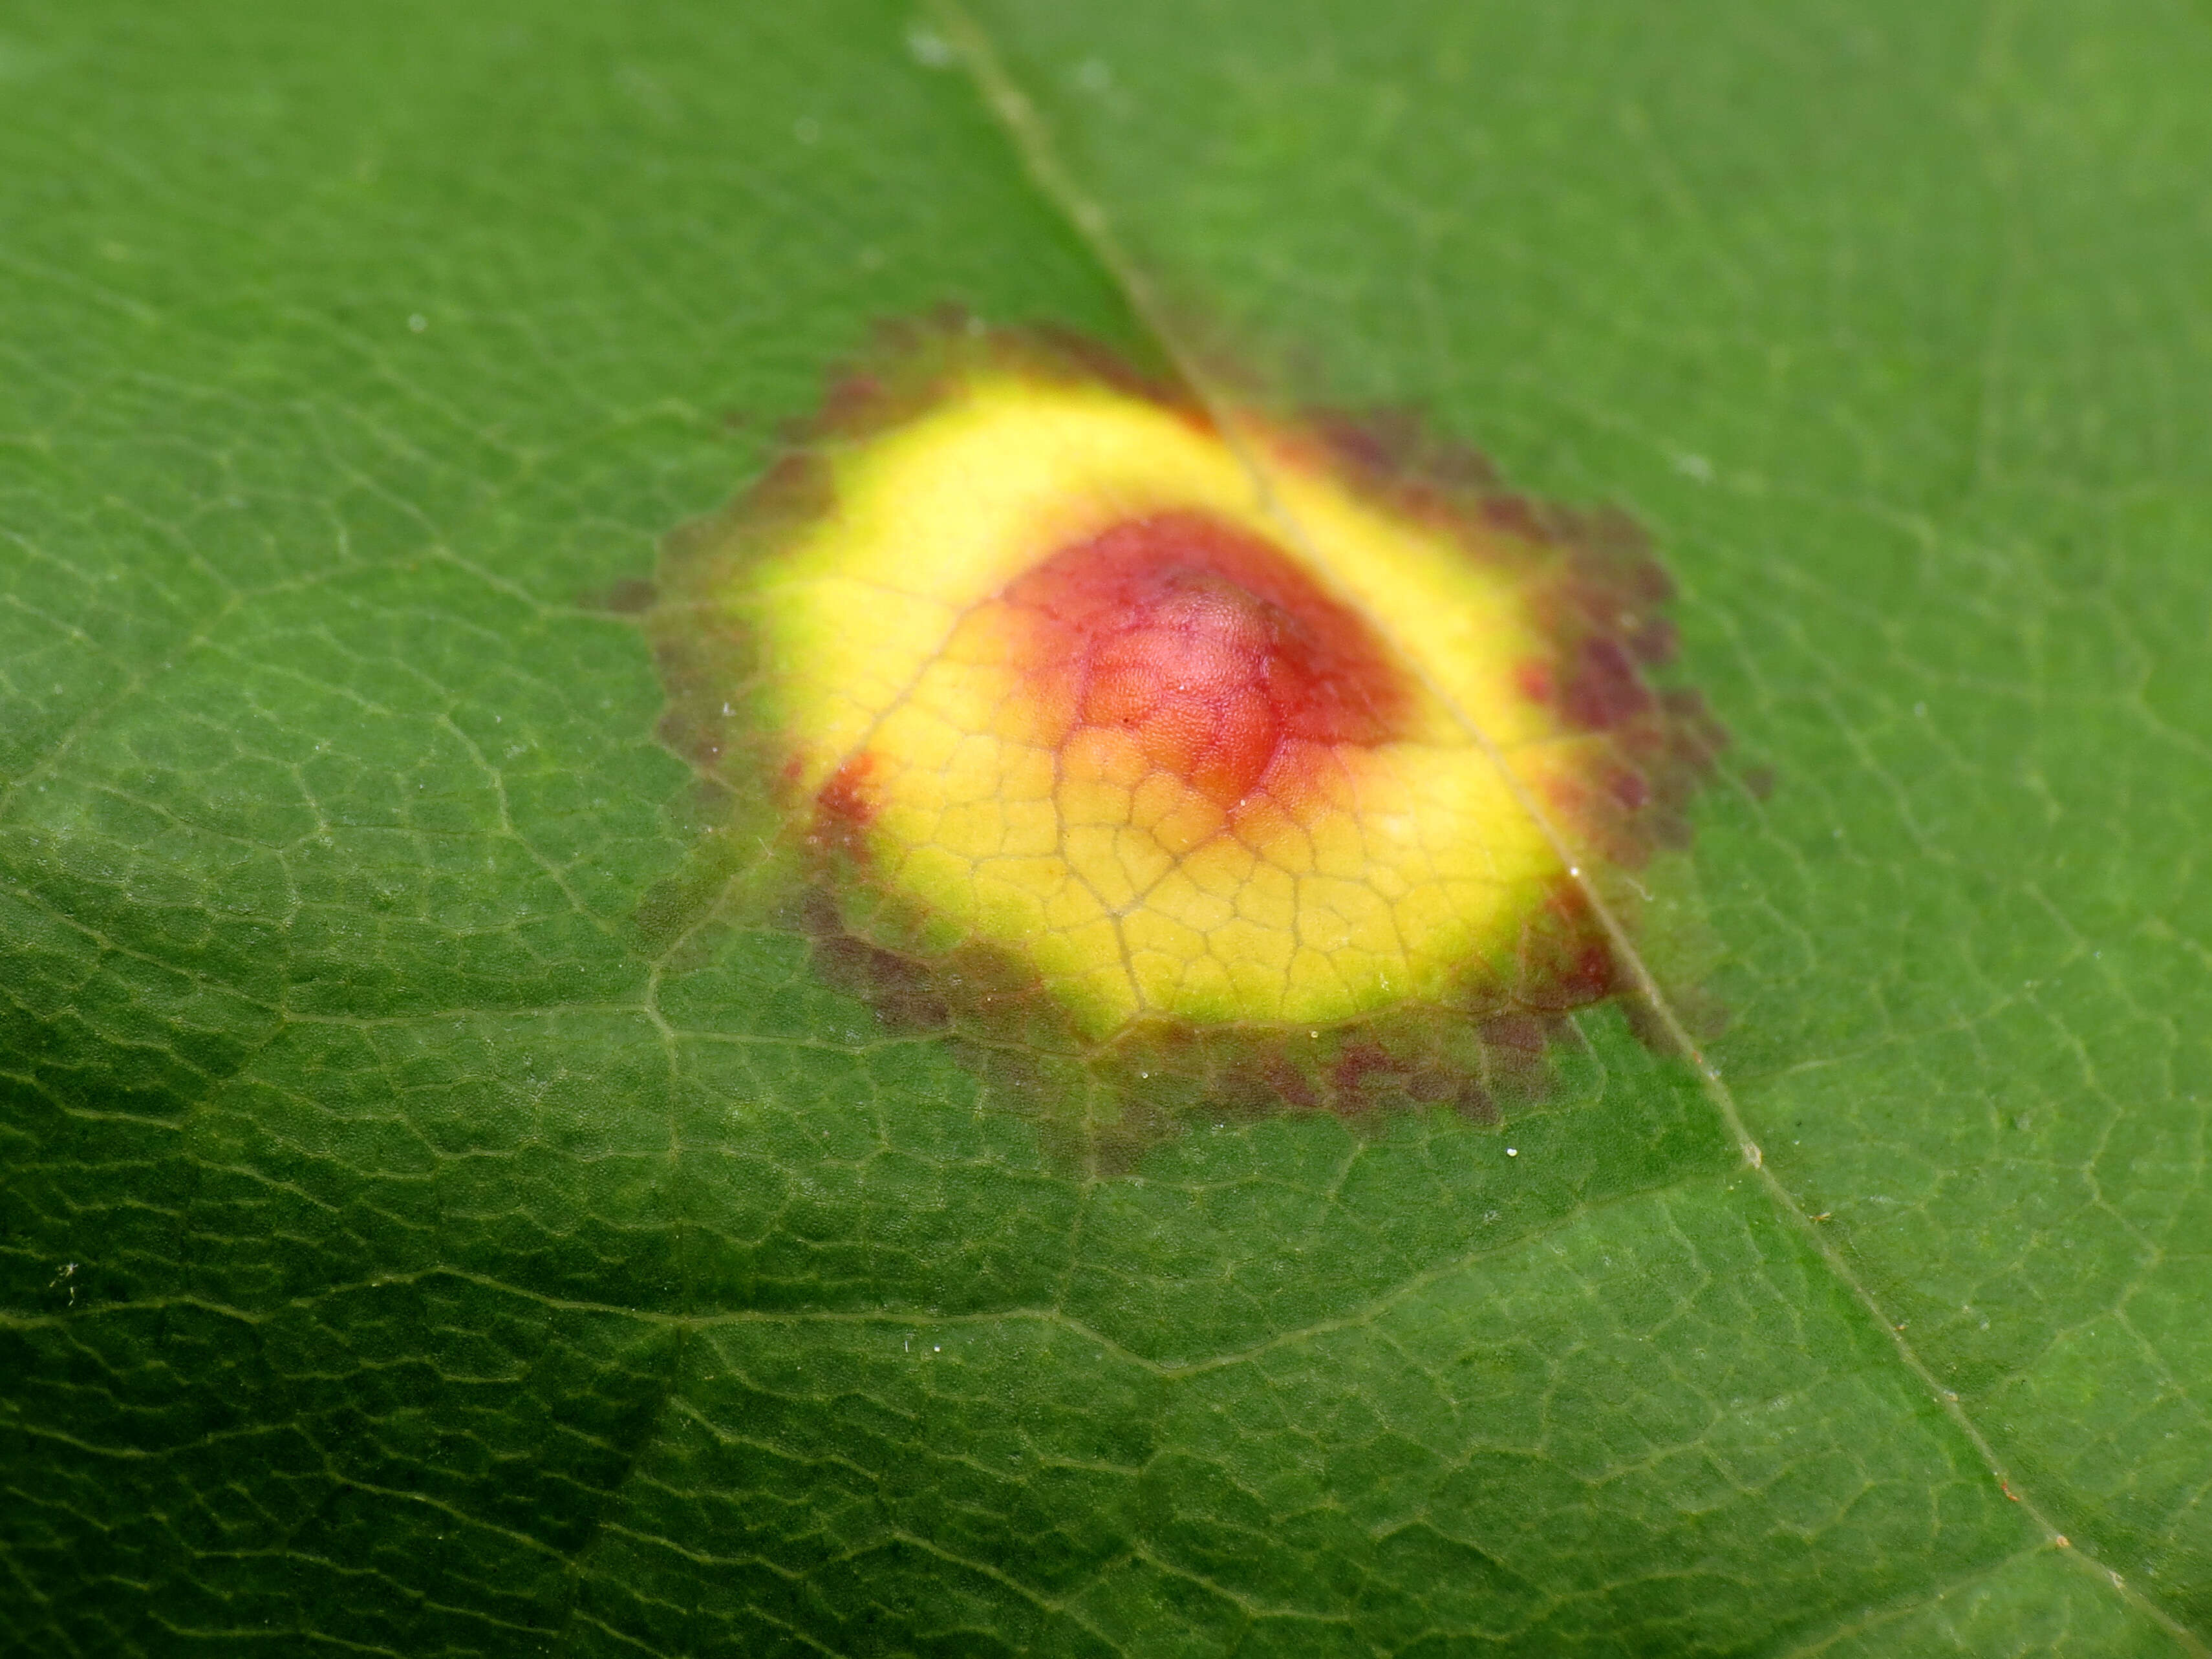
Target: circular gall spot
[[1171, 802]]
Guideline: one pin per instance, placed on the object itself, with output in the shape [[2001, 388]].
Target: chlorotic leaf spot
[[1222, 760]]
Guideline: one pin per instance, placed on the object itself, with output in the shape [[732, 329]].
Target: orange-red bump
[[1277, 740]]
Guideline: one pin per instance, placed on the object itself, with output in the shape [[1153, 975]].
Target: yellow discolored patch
[[1188, 722], [1130, 891]]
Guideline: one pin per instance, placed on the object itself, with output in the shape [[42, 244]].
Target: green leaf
[[406, 1249]]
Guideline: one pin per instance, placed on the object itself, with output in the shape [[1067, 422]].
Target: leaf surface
[[408, 1249]]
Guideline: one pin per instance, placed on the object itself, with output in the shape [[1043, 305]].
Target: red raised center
[[1216, 653]]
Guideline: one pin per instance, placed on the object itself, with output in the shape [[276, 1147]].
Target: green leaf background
[[404, 1251]]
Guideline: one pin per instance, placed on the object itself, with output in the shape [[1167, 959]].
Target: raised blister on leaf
[[1173, 758]]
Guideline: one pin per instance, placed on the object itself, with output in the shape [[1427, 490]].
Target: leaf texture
[[410, 1248]]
